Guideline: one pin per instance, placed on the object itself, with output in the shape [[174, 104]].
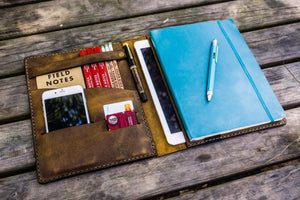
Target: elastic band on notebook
[[246, 72]]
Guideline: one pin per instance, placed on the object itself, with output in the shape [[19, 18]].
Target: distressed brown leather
[[78, 149], [88, 147]]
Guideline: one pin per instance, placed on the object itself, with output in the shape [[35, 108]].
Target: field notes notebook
[[242, 96]]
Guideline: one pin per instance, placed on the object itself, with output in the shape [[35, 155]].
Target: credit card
[[120, 114]]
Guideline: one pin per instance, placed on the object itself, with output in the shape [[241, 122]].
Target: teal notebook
[[242, 97]]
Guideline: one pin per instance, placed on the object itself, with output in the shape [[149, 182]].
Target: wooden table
[[259, 165]]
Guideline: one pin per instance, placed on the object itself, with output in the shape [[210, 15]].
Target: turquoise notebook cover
[[242, 96]]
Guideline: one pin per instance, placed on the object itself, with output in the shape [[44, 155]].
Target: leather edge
[[32, 119], [210, 139]]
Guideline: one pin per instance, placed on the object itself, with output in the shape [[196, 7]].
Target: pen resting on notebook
[[213, 57]]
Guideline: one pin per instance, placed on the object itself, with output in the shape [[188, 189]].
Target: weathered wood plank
[[295, 71], [7, 3], [64, 14], [14, 103], [58, 14], [282, 183], [261, 43], [284, 84], [247, 14], [168, 173], [14, 98], [16, 146]]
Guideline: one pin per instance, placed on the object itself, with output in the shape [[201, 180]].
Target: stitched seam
[[32, 119], [146, 126], [281, 122], [53, 54], [73, 172]]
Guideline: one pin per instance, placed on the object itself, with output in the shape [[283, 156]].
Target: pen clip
[[129, 51]]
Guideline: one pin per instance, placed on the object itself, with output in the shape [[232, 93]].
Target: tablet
[[158, 90]]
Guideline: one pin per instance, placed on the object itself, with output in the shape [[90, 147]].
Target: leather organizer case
[[89, 147]]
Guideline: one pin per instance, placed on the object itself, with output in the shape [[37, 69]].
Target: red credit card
[[119, 115]]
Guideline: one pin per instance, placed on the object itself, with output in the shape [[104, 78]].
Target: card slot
[[89, 147], [98, 97]]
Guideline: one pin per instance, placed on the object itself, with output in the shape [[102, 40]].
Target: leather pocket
[[91, 146]]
